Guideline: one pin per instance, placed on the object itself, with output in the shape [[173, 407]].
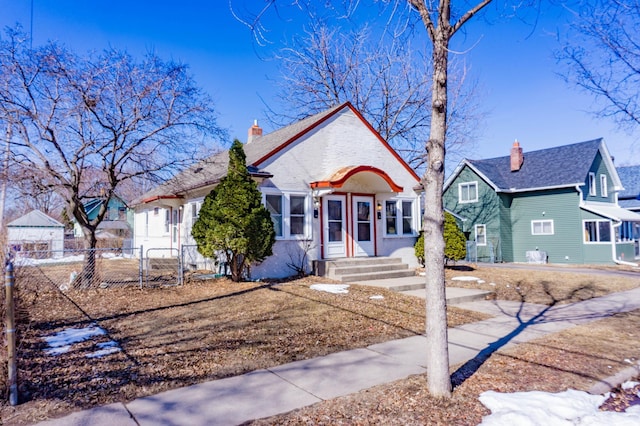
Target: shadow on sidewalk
[[553, 312]]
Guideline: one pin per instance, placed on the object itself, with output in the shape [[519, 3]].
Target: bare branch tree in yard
[[88, 125], [385, 78], [441, 21], [603, 55]]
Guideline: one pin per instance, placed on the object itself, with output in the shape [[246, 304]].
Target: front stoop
[[363, 269]]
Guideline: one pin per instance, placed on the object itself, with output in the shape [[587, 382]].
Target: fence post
[[140, 266], [11, 336]]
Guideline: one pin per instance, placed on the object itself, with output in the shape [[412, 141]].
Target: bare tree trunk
[[439, 381], [88, 278]]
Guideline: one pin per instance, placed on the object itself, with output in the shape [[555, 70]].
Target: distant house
[[558, 205], [334, 187], [117, 222], [629, 198], [36, 231]]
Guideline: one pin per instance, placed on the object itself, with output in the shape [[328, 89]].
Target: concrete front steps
[[363, 269]]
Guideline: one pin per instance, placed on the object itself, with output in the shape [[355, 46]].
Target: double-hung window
[[592, 184], [542, 227], [597, 231], [468, 192], [481, 235], [289, 214], [399, 217], [603, 186]]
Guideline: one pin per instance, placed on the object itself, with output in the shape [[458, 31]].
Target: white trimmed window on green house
[[597, 231], [399, 217], [592, 184], [468, 192], [603, 186], [542, 227], [481, 235]]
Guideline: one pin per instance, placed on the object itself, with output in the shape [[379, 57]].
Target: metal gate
[[162, 266]]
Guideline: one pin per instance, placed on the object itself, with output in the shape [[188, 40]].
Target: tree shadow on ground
[[549, 314]]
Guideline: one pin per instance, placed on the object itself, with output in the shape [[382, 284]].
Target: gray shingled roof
[[553, 167], [630, 178], [214, 168], [35, 219]]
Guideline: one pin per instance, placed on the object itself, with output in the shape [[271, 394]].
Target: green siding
[[626, 251], [598, 168], [596, 252], [485, 211], [506, 235], [561, 206]]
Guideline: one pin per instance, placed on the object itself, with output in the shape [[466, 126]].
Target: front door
[[363, 238], [335, 226]]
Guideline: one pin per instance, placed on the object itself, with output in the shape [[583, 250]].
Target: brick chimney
[[517, 158], [255, 132]]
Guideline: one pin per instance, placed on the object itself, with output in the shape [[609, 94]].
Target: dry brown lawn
[[205, 330]]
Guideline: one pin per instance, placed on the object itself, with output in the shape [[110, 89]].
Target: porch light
[[379, 209], [316, 206]]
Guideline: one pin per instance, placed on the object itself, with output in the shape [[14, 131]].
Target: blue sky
[[512, 61]]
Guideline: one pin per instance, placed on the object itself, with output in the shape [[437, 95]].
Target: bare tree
[[90, 124], [603, 54], [384, 77], [441, 20]]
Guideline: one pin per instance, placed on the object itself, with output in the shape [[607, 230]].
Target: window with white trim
[[592, 184], [603, 185], [481, 235], [597, 231], [399, 217], [290, 214], [542, 227], [468, 192], [167, 220]]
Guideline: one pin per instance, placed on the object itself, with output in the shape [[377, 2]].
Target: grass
[[205, 330]]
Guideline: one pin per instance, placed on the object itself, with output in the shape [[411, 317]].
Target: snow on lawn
[[571, 407], [331, 288], [465, 278], [62, 341]]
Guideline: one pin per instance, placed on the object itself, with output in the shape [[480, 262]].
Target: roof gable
[[211, 170], [35, 219], [556, 167]]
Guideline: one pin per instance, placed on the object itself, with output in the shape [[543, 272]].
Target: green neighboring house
[[556, 205]]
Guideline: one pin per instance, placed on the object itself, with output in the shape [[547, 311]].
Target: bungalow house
[[36, 231], [629, 198], [558, 205], [334, 187]]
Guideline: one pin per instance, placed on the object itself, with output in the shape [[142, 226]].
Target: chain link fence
[[111, 267]]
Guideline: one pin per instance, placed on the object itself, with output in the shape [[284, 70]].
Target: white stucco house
[[333, 185], [36, 231]]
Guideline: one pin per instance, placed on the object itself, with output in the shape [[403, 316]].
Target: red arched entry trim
[[342, 175]]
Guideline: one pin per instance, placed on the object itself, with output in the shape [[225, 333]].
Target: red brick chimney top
[[517, 157], [255, 131]]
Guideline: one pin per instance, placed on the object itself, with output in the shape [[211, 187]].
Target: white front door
[[335, 226], [363, 237]]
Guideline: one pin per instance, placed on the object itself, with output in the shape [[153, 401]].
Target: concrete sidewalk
[[281, 389]]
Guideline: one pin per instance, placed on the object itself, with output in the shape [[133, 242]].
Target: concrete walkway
[[281, 389]]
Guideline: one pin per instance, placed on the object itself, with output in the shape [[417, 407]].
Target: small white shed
[[36, 231]]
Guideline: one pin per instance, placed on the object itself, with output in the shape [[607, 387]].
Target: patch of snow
[[481, 281], [331, 288], [61, 341], [106, 349], [630, 385], [493, 284], [27, 261], [541, 408], [465, 278], [377, 297]]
